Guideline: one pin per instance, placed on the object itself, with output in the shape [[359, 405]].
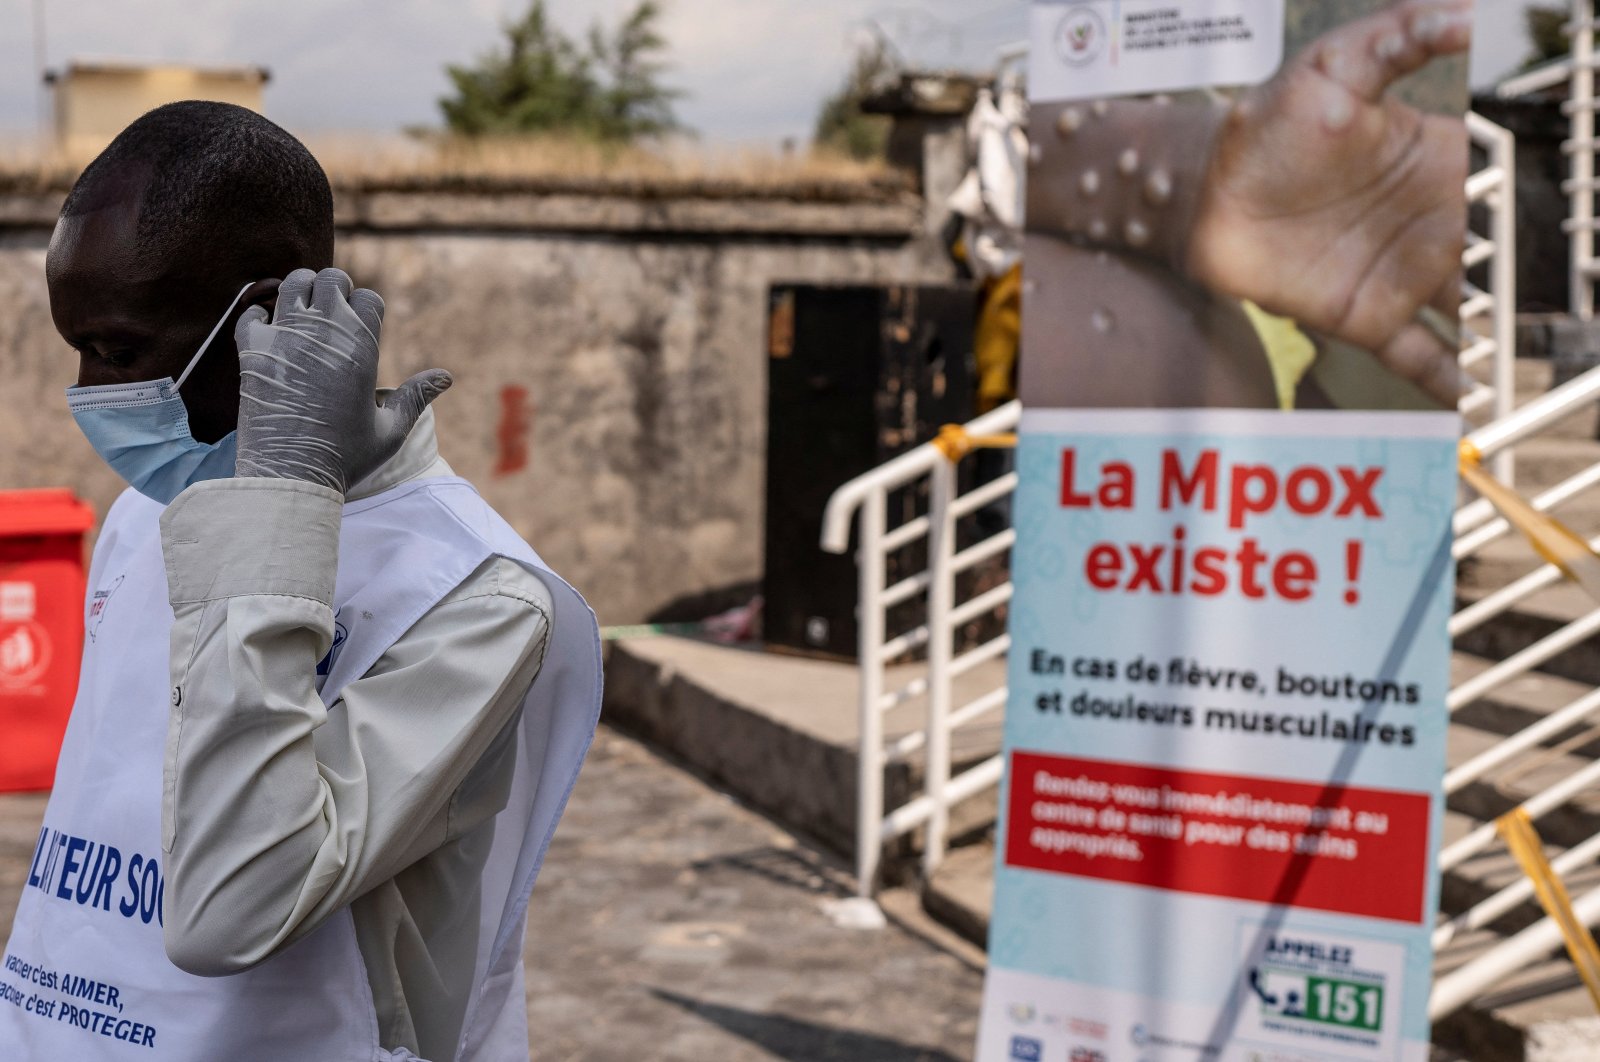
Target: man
[[331, 706]]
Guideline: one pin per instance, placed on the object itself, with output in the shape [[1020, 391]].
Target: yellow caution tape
[[1516, 827], [954, 442], [1550, 538]]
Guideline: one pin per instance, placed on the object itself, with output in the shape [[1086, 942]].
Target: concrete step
[[782, 731], [1538, 617], [1492, 796], [1540, 1014], [1486, 873], [961, 892], [1480, 726], [1533, 376], [1519, 702]]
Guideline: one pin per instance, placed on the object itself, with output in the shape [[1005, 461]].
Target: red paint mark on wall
[[511, 437]]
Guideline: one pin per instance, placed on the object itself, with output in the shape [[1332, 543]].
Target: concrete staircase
[[1543, 1012]]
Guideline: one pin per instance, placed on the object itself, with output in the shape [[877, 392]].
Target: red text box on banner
[[1245, 838]]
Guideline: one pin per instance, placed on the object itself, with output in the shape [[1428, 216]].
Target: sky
[[753, 71]]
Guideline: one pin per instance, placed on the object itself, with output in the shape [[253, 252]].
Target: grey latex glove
[[308, 407]]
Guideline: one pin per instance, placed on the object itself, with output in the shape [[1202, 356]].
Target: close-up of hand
[[308, 407], [1330, 202]]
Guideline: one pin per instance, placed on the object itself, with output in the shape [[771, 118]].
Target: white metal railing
[[1475, 526], [868, 495], [1540, 744], [1494, 187], [1580, 146]]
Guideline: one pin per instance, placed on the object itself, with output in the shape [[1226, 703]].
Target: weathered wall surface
[[634, 329]]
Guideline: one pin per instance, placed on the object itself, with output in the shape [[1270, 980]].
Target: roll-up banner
[[1226, 727]]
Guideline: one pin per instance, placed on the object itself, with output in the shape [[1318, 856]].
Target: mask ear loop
[[206, 345]]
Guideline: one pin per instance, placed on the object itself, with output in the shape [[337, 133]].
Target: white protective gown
[[85, 974]]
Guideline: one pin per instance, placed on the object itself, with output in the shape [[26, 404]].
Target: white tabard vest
[[86, 977]]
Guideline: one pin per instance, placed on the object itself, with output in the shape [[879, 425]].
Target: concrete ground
[[672, 924]]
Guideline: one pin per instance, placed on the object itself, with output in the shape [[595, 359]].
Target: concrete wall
[[616, 345]]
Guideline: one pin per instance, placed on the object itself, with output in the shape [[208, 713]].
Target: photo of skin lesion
[[1291, 245]]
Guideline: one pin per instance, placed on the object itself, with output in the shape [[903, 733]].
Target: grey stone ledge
[[569, 212], [573, 212]]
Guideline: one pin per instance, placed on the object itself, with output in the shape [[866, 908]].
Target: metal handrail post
[[869, 642], [1582, 195], [1503, 285], [1505, 292], [941, 638]]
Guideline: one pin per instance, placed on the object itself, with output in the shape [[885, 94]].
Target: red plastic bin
[[41, 628]]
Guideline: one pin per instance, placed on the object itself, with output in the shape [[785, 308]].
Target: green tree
[[1546, 32], [842, 125], [634, 103], [543, 81]]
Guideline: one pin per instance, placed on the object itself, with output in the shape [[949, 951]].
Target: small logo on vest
[[97, 607]]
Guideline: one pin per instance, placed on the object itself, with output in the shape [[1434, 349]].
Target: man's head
[[186, 206]]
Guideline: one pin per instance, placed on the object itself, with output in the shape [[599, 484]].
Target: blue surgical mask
[[142, 430]]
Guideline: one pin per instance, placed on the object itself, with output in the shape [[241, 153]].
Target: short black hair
[[219, 182]]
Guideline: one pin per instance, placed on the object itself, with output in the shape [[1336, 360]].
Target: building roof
[[80, 67]]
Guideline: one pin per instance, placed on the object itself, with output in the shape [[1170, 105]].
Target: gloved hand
[[307, 385]]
